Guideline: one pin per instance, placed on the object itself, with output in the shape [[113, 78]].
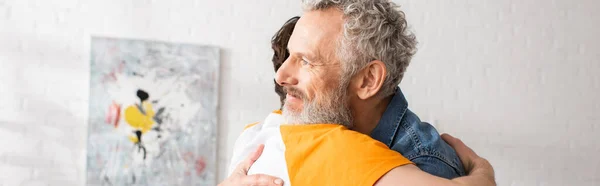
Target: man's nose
[[285, 76]]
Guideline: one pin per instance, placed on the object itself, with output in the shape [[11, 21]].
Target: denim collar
[[386, 129]]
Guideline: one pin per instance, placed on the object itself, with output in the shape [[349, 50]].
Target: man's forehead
[[315, 33]]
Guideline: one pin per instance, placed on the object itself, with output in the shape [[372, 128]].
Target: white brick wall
[[517, 80]]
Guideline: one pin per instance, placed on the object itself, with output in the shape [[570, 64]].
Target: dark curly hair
[[280, 53]]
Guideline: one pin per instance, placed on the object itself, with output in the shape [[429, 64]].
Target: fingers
[[466, 154], [458, 145], [448, 138], [261, 180], [472, 163], [243, 167]]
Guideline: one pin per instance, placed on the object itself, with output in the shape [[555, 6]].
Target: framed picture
[[153, 113]]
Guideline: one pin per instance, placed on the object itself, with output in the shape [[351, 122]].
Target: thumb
[[243, 167]]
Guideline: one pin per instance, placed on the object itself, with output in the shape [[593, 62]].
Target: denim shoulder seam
[[396, 128], [413, 135]]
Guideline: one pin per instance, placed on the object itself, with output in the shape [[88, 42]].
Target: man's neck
[[368, 113]]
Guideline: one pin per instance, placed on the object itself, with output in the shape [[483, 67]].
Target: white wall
[[514, 79]]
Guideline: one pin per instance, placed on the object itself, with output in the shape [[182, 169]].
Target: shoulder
[[414, 138], [251, 125], [336, 141], [273, 118], [421, 143], [328, 134]]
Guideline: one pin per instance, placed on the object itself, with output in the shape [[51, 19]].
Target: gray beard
[[333, 110]]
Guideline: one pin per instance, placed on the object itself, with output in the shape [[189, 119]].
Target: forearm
[[473, 180], [413, 176]]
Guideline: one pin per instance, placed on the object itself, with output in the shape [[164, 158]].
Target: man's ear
[[369, 80]]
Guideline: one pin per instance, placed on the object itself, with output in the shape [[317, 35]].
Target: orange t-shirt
[[315, 154]]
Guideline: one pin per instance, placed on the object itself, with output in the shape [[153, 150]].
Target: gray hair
[[372, 30]]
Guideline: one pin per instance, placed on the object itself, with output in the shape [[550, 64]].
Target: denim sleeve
[[421, 143], [435, 166]]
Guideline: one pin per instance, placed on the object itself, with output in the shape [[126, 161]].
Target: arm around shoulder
[[480, 171], [411, 175]]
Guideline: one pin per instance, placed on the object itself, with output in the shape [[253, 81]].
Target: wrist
[[484, 169]]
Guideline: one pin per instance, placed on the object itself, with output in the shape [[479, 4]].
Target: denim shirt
[[402, 131]]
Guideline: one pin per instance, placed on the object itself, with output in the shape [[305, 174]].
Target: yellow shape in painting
[[133, 139], [138, 120]]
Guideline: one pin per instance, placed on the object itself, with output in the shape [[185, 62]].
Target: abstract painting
[[152, 113]]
